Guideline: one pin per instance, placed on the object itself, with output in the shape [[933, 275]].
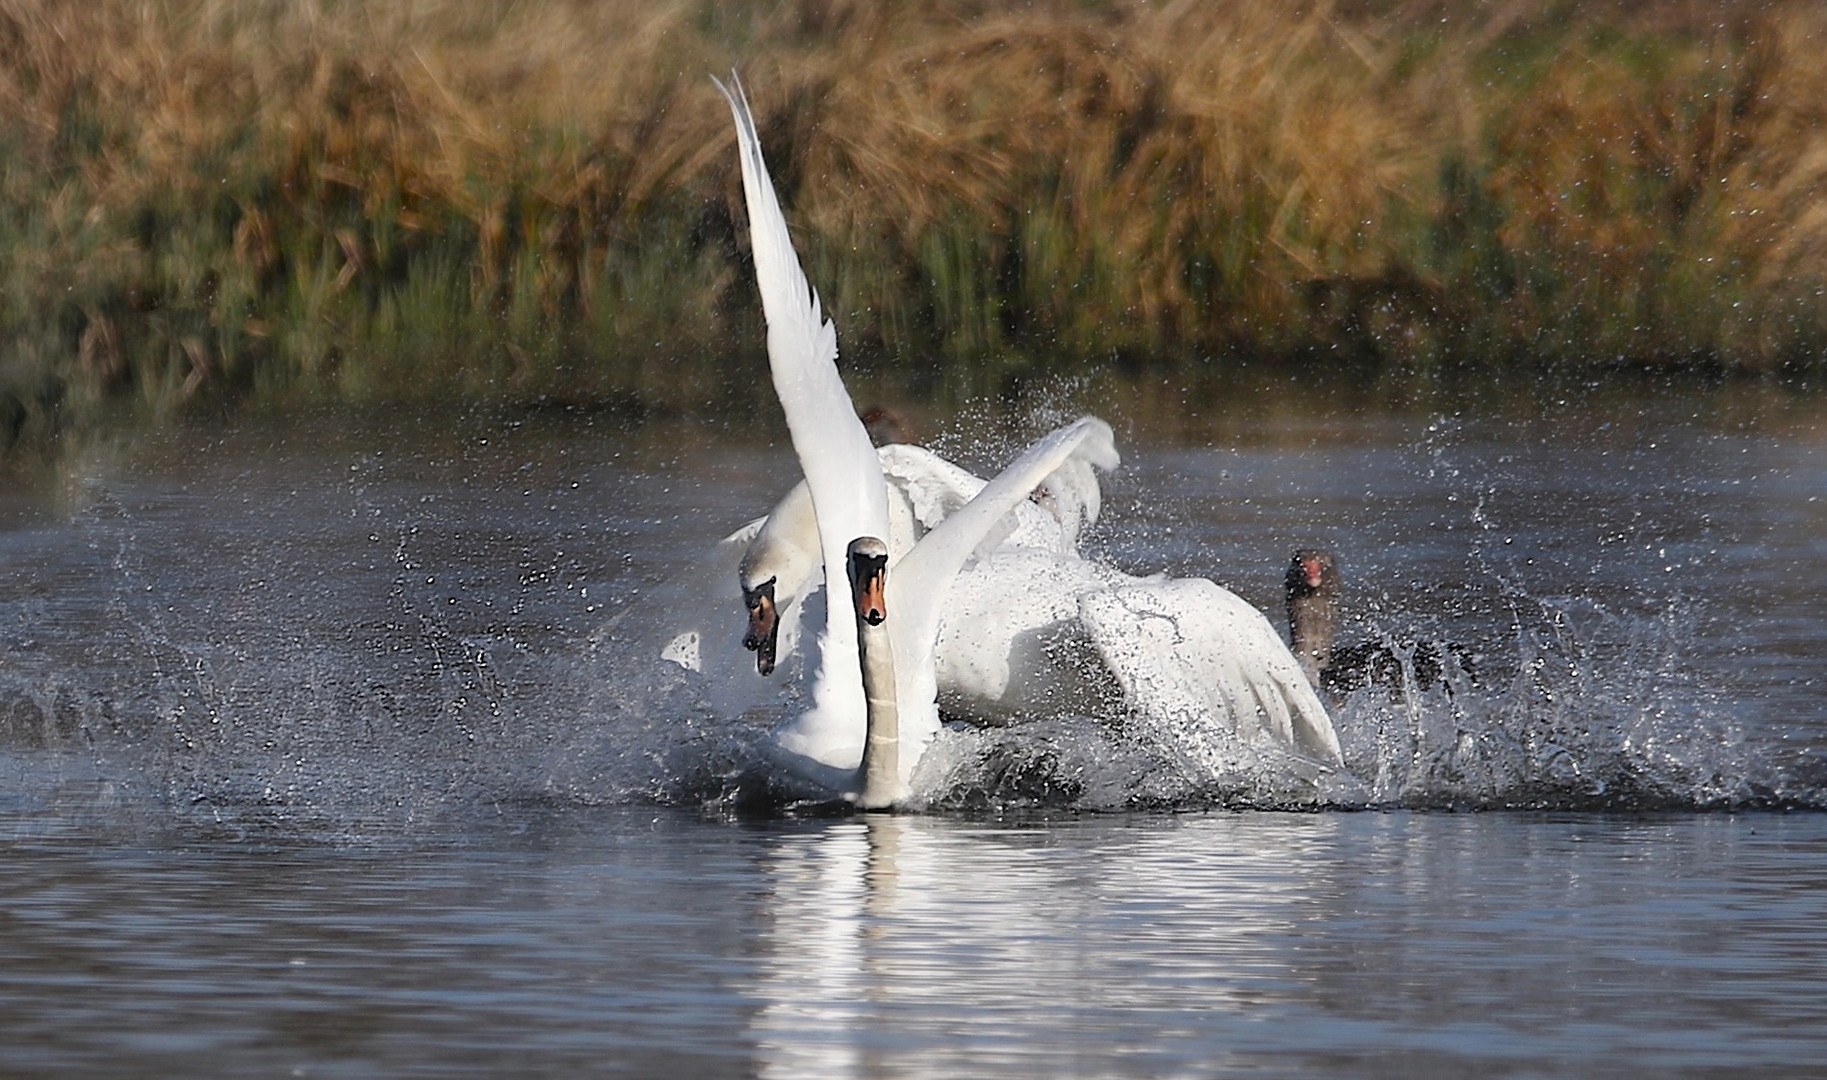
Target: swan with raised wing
[[1030, 628], [872, 707]]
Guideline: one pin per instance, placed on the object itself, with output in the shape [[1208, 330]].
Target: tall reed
[[279, 202]]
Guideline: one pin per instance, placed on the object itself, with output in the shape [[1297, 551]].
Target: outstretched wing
[[849, 496], [919, 583], [834, 450], [1188, 652]]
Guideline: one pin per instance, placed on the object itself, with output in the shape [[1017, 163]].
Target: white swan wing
[[835, 454], [834, 451], [934, 487], [926, 571], [1011, 643], [920, 581], [923, 490], [1187, 651]]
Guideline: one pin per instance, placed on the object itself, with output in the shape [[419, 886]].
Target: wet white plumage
[[848, 493]]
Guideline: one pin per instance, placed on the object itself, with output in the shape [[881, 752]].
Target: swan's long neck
[[880, 771], [1313, 609]]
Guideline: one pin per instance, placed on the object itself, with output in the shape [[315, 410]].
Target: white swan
[[847, 490], [1030, 628]]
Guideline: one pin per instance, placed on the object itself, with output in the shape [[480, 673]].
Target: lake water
[[340, 749]]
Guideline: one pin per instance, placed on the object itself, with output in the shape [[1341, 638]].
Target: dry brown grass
[[1139, 178], [201, 200], [1669, 201]]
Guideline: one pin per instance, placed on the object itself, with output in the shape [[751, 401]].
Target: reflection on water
[[906, 947], [631, 942], [969, 942], [818, 989]]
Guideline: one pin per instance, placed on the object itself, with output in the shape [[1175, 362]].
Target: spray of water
[[322, 673]]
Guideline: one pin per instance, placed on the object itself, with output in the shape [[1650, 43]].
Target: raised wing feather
[[921, 580], [834, 450], [927, 571]]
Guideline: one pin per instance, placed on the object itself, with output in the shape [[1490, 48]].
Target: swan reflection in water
[[1279, 944], [909, 946]]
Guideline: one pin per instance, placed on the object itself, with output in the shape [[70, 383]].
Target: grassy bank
[[205, 203]]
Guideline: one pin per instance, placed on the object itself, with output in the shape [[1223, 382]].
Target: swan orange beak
[[764, 625], [871, 607], [869, 580]]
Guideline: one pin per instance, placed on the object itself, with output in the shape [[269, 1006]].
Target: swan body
[[1030, 633], [1013, 645], [847, 488], [1030, 628]]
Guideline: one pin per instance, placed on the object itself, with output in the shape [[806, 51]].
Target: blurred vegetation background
[[211, 205]]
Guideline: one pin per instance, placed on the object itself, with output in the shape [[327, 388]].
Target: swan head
[[764, 624], [1313, 570], [867, 560]]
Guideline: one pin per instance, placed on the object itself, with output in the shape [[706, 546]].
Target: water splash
[[1589, 710], [345, 651], [1580, 708]]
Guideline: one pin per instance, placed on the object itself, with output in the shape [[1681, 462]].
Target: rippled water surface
[[643, 943], [341, 749]]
